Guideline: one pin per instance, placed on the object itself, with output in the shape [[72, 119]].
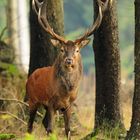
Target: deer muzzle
[[69, 61]]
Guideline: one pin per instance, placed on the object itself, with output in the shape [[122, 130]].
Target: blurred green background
[[79, 15]]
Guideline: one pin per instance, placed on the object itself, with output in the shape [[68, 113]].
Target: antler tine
[[34, 3], [103, 4], [96, 24], [43, 21]]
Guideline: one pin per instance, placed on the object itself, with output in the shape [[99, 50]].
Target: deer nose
[[69, 61]]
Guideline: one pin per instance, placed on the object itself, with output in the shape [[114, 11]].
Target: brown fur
[[55, 87]]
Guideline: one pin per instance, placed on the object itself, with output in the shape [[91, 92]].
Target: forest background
[[78, 15], [76, 23]]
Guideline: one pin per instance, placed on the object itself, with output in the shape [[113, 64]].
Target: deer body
[[56, 87], [51, 86]]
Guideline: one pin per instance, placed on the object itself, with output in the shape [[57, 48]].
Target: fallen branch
[[14, 116], [14, 100], [3, 129], [21, 102]]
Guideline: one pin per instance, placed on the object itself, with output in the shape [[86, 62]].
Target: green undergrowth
[[107, 132], [6, 136], [9, 69]]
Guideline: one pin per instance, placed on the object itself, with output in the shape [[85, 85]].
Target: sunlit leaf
[[6, 136], [5, 117], [53, 137], [29, 136]]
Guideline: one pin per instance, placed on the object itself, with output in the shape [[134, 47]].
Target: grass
[[82, 118], [6, 136]]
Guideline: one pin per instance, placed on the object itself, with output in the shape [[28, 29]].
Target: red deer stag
[[56, 87]]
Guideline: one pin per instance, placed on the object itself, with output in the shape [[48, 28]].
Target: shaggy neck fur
[[69, 80]]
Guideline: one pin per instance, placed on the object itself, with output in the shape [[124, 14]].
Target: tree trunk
[[107, 63], [41, 52], [12, 24], [134, 132]]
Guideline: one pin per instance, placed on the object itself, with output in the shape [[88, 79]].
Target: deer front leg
[[67, 114], [31, 120], [48, 120]]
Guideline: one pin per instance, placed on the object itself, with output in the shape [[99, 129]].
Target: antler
[[40, 8], [96, 24]]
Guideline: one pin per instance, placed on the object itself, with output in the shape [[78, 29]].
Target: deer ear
[[55, 42], [84, 43]]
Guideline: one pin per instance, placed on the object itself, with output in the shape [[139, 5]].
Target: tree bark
[[12, 25], [107, 63], [134, 132], [42, 53]]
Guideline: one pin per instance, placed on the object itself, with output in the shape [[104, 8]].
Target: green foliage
[[5, 117], [6, 60], [7, 136], [107, 132], [33, 137], [53, 137], [29, 137], [9, 69]]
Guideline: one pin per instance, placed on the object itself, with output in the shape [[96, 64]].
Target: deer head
[[69, 49], [69, 53]]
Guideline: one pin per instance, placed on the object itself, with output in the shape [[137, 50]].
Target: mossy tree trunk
[[134, 132], [107, 64], [42, 53]]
